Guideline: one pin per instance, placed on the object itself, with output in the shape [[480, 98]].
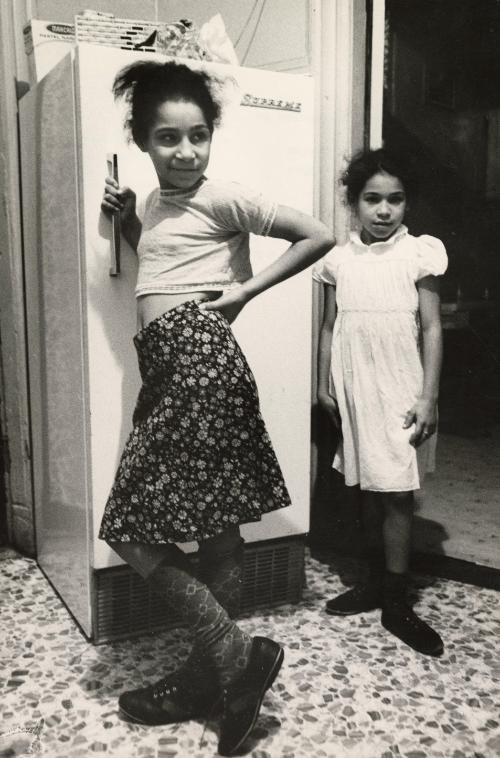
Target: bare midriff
[[150, 307]]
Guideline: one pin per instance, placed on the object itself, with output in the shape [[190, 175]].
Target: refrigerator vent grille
[[125, 606]]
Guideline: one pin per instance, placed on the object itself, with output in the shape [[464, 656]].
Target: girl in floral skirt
[[198, 462]]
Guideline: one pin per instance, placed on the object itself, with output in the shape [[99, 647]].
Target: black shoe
[[243, 698], [363, 597], [168, 701], [399, 619], [404, 623]]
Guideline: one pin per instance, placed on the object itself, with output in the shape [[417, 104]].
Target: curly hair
[[367, 163], [145, 84]]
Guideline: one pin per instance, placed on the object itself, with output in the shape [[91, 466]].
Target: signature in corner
[[20, 739]]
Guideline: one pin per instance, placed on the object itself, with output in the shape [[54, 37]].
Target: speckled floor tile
[[347, 688]]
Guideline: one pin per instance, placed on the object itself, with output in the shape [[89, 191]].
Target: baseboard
[[454, 568], [441, 566]]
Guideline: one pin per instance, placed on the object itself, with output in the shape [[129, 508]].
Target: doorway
[[442, 107]]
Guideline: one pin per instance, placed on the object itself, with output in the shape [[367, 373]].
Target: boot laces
[[409, 615], [416, 622], [168, 685]]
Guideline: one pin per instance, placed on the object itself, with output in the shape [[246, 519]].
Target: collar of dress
[[401, 232]]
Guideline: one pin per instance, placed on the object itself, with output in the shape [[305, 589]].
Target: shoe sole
[[273, 673], [137, 720], [351, 613]]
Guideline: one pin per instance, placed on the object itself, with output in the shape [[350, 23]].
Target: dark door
[[442, 107]]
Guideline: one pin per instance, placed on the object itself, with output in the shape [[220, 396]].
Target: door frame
[[13, 376]]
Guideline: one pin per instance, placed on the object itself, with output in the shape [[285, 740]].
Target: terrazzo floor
[[347, 688]]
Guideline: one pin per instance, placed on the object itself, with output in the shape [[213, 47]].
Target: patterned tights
[[221, 568], [220, 648]]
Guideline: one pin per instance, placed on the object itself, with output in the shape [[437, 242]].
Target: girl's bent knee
[[225, 544], [145, 558]]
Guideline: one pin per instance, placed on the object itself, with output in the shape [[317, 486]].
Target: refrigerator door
[[56, 350], [269, 148]]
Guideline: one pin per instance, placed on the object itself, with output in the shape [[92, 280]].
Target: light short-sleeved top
[[198, 239], [376, 368]]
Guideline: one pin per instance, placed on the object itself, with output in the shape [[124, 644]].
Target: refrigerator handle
[[114, 270]]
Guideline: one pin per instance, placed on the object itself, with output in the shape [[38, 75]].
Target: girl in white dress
[[379, 365]]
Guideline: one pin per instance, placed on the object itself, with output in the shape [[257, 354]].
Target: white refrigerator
[[81, 320]]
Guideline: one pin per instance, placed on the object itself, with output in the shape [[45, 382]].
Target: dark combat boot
[[169, 701], [241, 700], [399, 618], [187, 693], [364, 596]]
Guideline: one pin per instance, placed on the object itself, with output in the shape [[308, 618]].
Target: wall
[[254, 27]]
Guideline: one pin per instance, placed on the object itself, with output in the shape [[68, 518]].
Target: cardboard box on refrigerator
[[45, 43]]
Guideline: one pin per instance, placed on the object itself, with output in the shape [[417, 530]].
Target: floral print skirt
[[199, 458]]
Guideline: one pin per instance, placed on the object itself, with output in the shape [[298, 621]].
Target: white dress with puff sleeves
[[376, 366]]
